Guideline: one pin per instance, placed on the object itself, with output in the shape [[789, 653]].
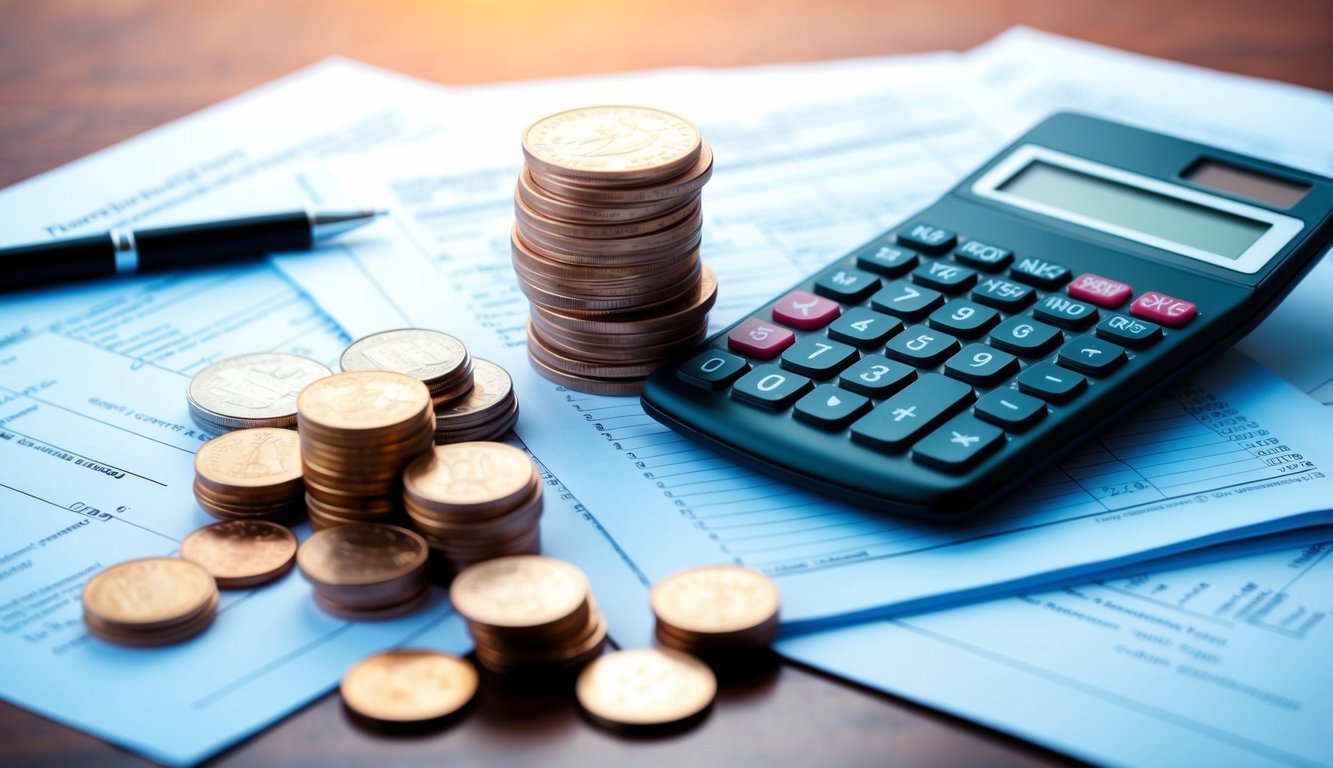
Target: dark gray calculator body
[[944, 362]]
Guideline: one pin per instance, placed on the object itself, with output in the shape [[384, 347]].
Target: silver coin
[[423, 354], [251, 390], [490, 385]]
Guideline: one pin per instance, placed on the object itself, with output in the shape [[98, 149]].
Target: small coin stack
[[408, 686], [148, 602], [438, 360], [365, 571], [488, 412], [529, 615], [241, 554], [646, 690], [250, 391], [715, 612], [358, 430], [475, 501], [606, 244], [249, 474]]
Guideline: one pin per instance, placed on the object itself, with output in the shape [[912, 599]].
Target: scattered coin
[[719, 608], [256, 390], [241, 553], [438, 360], [149, 601], [646, 689], [408, 685], [250, 473], [489, 411], [365, 571]]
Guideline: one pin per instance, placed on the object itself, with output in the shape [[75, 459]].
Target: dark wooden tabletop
[[79, 75]]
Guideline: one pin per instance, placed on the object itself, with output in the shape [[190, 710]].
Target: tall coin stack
[[529, 615], [358, 431], [475, 501], [606, 244]]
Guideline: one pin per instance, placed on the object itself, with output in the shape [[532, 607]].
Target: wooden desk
[[79, 75]]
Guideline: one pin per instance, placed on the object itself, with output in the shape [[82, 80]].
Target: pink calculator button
[[805, 311], [1163, 309], [1102, 291], [756, 338]]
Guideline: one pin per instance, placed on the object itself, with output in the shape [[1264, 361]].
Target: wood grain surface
[[80, 75]]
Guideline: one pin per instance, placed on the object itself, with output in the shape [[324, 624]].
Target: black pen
[[124, 251]]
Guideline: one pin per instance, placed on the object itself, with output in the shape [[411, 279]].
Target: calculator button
[[850, 286], [1003, 294], [830, 407], [713, 369], [921, 346], [1039, 272], [1091, 355], [887, 260], [863, 327], [1012, 410], [991, 258], [927, 237], [1050, 382], [814, 356], [963, 318], [1065, 312], [959, 444], [910, 302], [758, 338], [768, 386], [1128, 331], [896, 422], [1160, 308], [876, 376], [1025, 336], [944, 276], [981, 365], [805, 311], [1102, 291]]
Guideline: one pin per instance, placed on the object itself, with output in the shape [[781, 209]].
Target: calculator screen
[[1154, 211]]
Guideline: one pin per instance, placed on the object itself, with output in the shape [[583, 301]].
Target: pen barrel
[[191, 245], [56, 262]]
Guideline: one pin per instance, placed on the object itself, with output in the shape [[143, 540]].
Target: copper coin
[[521, 591], [654, 240], [689, 182], [408, 685], [589, 384], [362, 403], [532, 219], [716, 600], [252, 459], [361, 554], [687, 310], [540, 350], [544, 202], [478, 478], [612, 144], [241, 553], [148, 594], [573, 255], [256, 390], [645, 687]]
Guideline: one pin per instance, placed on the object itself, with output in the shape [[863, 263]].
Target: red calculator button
[[756, 338], [805, 311], [1160, 308], [1102, 291]]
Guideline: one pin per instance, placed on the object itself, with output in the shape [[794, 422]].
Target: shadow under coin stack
[[475, 501], [358, 431], [608, 223], [366, 572], [250, 474], [148, 602], [529, 616], [488, 412]]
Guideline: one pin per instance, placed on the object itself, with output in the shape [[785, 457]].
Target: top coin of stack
[[715, 610], [438, 360], [250, 473], [606, 244], [250, 391], [151, 601], [358, 431]]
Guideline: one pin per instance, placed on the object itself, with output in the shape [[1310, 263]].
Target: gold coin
[[148, 594], [366, 553], [408, 685], [716, 600], [478, 476], [645, 687], [423, 354], [241, 553], [519, 591], [253, 458], [362, 401], [612, 144]]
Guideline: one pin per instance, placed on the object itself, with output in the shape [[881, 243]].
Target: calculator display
[[1152, 211]]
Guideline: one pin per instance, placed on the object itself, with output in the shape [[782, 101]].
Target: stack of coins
[[475, 501], [438, 360], [250, 473], [358, 431], [147, 602], [250, 391], [529, 615], [241, 553], [646, 690], [366, 571], [715, 611], [488, 412], [408, 686], [606, 244]]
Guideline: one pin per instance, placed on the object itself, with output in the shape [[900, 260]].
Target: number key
[[876, 376], [902, 299], [768, 386], [981, 365], [963, 318], [712, 369], [921, 346], [1025, 336], [864, 328], [817, 357]]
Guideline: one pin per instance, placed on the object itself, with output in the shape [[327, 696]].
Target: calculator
[[940, 365]]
